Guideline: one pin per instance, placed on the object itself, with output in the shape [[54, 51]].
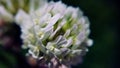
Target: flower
[[9, 8], [55, 31], [5, 15]]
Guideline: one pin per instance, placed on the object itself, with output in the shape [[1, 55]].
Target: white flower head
[[55, 31]]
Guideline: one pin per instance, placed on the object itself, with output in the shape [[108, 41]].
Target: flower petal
[[4, 14], [53, 20]]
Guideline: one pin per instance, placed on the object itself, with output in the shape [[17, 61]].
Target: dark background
[[104, 20]]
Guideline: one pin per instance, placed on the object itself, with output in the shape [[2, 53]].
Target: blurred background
[[104, 20], [103, 16]]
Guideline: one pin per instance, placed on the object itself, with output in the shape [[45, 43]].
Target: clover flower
[[9, 8], [55, 31]]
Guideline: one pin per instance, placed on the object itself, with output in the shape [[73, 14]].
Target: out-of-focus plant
[[9, 8], [55, 34]]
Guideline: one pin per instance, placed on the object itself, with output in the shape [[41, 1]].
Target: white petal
[[4, 14], [53, 20], [82, 21], [32, 53], [58, 28], [65, 51], [67, 33], [74, 29], [81, 36], [21, 16], [60, 41], [76, 52], [59, 8], [42, 47], [47, 34], [88, 32], [45, 19], [57, 51], [23, 19], [89, 42], [76, 44], [50, 46], [69, 43], [71, 11]]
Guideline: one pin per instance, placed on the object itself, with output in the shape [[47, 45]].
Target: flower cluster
[[55, 31], [9, 8]]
